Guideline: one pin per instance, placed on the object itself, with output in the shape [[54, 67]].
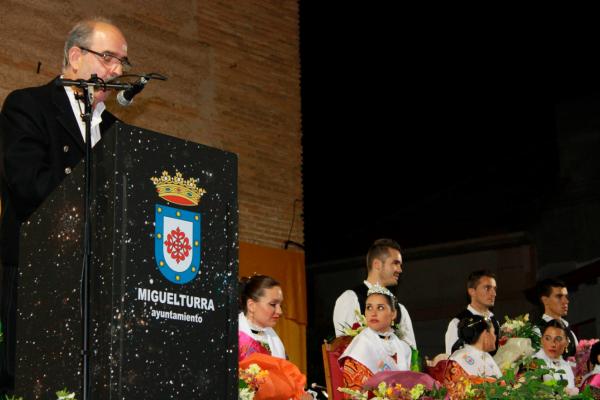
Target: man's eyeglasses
[[556, 339], [110, 60]]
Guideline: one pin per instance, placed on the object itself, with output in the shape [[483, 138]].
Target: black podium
[[164, 275]]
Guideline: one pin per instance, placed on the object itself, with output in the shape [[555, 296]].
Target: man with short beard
[[384, 266]]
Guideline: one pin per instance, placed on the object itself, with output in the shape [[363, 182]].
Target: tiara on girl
[[378, 289]]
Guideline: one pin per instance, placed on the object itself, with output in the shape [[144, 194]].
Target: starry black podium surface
[[164, 274]]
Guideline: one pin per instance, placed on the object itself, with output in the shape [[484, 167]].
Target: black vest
[[571, 348], [466, 313], [361, 292]]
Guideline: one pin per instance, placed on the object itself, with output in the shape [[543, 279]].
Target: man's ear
[[75, 55], [471, 291], [377, 265]]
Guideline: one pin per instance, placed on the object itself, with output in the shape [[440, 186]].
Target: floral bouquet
[[529, 385], [582, 355], [520, 327], [358, 326], [250, 380], [518, 340], [395, 392]]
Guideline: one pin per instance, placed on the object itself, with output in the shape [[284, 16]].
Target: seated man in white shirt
[[384, 266], [481, 289]]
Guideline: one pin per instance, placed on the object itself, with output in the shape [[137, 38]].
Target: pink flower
[[585, 344], [582, 354]]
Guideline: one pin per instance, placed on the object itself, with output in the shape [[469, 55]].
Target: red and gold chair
[[333, 373]]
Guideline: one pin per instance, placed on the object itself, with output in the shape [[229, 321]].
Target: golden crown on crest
[[177, 189]]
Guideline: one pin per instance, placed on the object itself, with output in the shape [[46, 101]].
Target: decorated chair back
[[333, 373], [450, 374], [441, 371]]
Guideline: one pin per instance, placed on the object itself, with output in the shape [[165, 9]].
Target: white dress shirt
[[79, 108]]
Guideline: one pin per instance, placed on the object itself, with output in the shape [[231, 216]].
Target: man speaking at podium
[[42, 139]]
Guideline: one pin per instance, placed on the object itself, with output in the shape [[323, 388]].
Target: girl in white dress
[[476, 338], [376, 348], [555, 339]]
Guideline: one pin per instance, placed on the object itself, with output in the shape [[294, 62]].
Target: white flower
[[253, 369], [246, 394], [572, 391]]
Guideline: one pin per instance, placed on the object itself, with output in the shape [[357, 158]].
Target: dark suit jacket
[[40, 144]]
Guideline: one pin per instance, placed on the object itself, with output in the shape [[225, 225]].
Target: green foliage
[[436, 393], [396, 392], [526, 386], [60, 395], [65, 395], [520, 327]]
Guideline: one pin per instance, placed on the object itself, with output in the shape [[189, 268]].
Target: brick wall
[[234, 74]]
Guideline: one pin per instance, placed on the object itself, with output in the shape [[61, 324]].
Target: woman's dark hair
[[594, 353], [555, 323], [470, 329], [254, 288]]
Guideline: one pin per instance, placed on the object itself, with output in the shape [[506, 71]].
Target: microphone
[[125, 97], [314, 385]]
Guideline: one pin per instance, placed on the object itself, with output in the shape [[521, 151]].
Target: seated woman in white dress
[[260, 301], [555, 339], [376, 348], [476, 338]]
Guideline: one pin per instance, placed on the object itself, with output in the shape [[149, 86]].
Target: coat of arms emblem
[[177, 237]]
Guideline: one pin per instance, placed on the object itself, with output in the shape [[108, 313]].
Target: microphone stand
[[88, 87]]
